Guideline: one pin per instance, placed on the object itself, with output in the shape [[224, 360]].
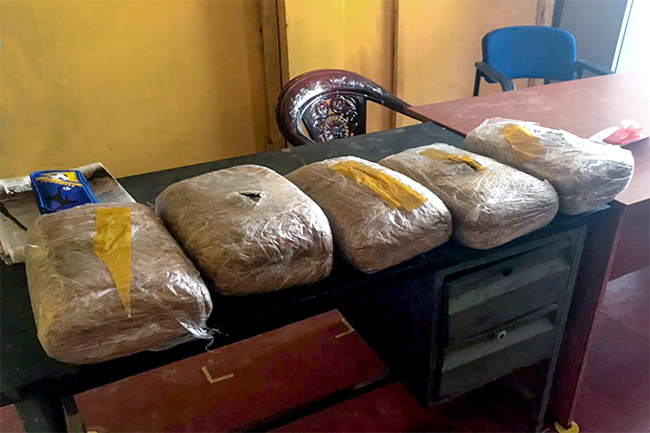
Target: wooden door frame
[[394, 59], [276, 65], [543, 17]]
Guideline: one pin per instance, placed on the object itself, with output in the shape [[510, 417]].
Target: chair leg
[[477, 82]]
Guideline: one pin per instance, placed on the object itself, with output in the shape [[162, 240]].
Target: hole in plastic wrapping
[[246, 199], [253, 195]]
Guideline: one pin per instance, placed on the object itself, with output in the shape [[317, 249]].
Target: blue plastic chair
[[530, 52]]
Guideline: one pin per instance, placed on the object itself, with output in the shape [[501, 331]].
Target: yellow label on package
[[113, 246], [392, 191], [523, 142], [65, 178], [441, 155]]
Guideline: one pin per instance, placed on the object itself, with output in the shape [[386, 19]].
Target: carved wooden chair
[[328, 104]]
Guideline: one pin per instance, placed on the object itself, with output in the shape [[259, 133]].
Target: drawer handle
[[501, 334], [217, 379], [506, 272]]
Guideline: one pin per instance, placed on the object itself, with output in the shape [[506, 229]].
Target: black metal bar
[[42, 413]]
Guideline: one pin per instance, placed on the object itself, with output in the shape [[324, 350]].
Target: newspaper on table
[[18, 208]]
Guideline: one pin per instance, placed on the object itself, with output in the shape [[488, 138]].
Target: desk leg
[[633, 246], [42, 413], [595, 265]]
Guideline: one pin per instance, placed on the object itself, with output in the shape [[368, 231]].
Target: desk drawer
[[507, 290], [498, 352], [239, 386]]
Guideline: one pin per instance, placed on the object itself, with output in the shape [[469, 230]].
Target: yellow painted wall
[[439, 41], [355, 35], [137, 85]]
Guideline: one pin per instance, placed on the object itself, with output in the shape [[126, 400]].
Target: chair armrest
[[494, 75], [592, 67]]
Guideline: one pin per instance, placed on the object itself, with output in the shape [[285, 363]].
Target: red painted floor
[[614, 395], [388, 409], [10, 421]]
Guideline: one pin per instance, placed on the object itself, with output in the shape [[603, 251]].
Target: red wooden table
[[617, 246], [582, 107]]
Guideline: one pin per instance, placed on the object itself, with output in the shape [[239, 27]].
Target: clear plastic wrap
[[81, 314], [491, 203], [369, 231], [584, 173], [248, 229]]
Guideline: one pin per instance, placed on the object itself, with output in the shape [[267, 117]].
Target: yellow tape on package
[[523, 142], [113, 246], [441, 155], [393, 192]]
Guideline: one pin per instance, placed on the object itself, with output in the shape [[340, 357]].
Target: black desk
[[26, 371]]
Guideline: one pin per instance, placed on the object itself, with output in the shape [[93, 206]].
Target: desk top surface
[[26, 370], [582, 107]]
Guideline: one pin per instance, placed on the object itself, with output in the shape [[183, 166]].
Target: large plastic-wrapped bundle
[[108, 280], [248, 229], [491, 203], [379, 217], [585, 174]]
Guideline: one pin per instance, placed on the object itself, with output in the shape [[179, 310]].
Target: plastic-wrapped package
[[248, 229], [379, 217], [107, 280], [584, 173], [490, 203]]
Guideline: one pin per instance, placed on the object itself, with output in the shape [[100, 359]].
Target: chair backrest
[[531, 52], [327, 104]]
